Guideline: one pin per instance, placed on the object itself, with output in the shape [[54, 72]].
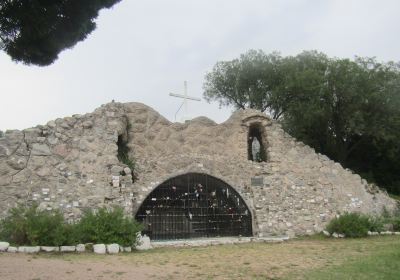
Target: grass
[[385, 265], [314, 257]]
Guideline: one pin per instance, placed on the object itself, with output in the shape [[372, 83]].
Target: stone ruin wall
[[71, 164]]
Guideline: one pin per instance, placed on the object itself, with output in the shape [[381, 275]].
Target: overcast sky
[[142, 50]]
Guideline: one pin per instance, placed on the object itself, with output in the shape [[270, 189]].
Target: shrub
[[29, 226], [396, 223], [350, 224], [376, 223], [107, 226]]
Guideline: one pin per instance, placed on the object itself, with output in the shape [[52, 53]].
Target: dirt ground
[[289, 260]]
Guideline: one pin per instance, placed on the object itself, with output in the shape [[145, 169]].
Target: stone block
[[4, 246], [99, 248], [40, 150], [80, 248], [326, 233], [127, 249], [143, 243], [49, 249], [127, 170], [12, 249], [29, 249], [113, 248], [67, 249]]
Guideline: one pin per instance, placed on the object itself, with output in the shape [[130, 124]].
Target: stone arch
[[194, 205]]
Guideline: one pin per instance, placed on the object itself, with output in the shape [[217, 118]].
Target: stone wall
[[71, 164]]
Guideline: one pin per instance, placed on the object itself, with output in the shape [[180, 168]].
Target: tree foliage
[[36, 31], [346, 109]]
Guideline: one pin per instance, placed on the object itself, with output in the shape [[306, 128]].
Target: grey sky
[[142, 50]]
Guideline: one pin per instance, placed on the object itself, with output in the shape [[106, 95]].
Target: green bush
[[376, 223], [107, 226], [350, 224], [29, 226], [396, 223]]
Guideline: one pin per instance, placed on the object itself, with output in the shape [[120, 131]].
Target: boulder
[[113, 248], [67, 248], [29, 249], [4, 246], [49, 249], [99, 248]]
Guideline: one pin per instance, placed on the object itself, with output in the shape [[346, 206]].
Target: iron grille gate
[[194, 205]]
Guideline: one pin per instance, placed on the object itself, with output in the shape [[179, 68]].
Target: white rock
[[335, 235], [386, 233], [80, 248], [144, 243], [28, 249], [341, 235], [49, 249], [113, 248], [397, 233], [99, 248], [67, 248], [326, 233], [127, 249], [12, 249], [4, 246]]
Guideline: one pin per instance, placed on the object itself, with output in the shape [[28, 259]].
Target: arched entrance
[[194, 205]]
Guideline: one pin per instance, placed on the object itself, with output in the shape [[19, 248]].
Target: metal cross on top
[[185, 99]]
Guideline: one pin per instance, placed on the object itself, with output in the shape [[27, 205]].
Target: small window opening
[[255, 144]]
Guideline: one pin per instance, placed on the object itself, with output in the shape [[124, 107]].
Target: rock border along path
[[216, 241]]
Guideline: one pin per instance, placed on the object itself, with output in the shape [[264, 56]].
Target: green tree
[[36, 31], [346, 109], [247, 82]]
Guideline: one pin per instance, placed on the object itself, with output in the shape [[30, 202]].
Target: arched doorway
[[194, 205]]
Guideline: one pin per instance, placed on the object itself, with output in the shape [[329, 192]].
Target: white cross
[[185, 99]]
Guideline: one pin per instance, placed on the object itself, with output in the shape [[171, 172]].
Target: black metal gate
[[194, 205]]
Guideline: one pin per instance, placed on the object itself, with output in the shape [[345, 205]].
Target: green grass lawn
[[384, 263], [314, 257]]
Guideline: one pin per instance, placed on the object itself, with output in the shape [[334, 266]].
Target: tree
[[249, 81], [346, 109], [36, 31]]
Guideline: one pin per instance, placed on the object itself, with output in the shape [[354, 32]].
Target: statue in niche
[[255, 149]]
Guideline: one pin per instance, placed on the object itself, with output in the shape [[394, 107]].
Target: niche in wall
[[255, 143]]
